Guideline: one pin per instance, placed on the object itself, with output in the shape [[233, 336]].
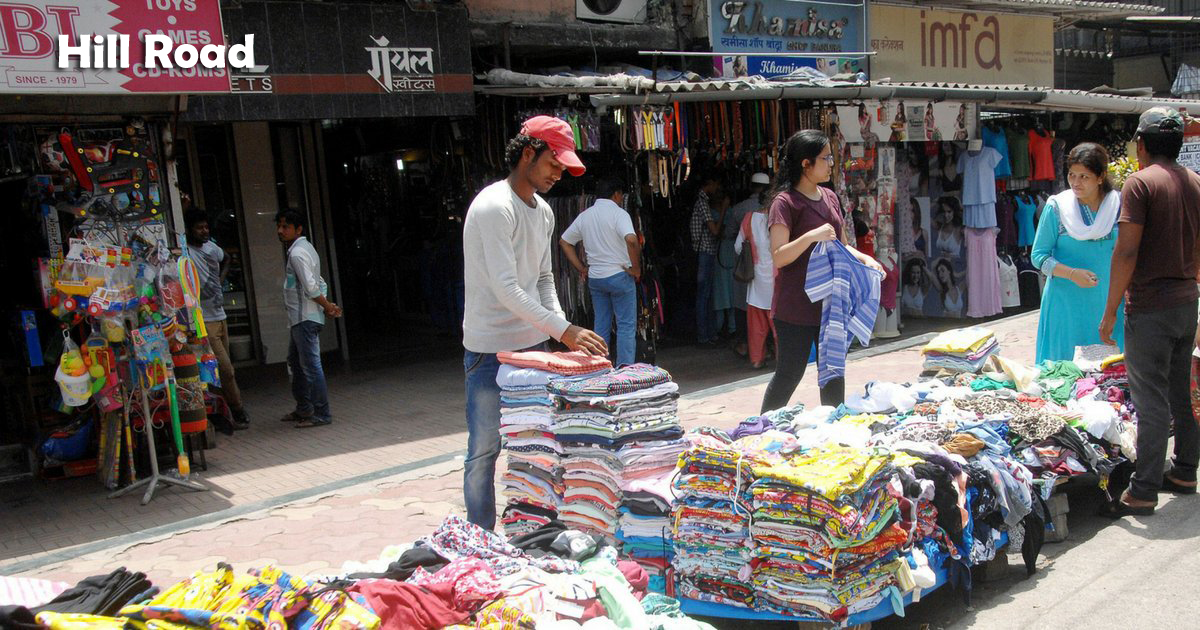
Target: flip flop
[[292, 416], [309, 423]]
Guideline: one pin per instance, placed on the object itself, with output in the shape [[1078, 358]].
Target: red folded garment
[[404, 606], [565, 363]]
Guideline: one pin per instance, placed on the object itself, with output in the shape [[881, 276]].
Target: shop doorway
[[398, 192]]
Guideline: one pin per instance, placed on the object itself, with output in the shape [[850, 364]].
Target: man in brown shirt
[[1154, 267]]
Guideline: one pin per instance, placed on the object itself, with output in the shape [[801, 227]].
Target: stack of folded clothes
[[712, 517], [961, 350], [823, 542], [595, 420], [645, 524], [533, 480]]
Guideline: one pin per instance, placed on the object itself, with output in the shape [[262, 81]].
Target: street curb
[[162, 531], [861, 353]]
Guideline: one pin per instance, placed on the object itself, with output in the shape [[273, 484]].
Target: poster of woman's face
[[917, 222], [948, 227], [914, 283]]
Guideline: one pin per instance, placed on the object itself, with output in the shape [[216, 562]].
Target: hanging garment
[[849, 294], [998, 141], [1029, 283], [983, 276], [1006, 220], [979, 186], [1010, 293], [1070, 314], [889, 288], [1041, 152], [1026, 207], [1018, 153]]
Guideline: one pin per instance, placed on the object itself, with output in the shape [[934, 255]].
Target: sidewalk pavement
[[1090, 579]]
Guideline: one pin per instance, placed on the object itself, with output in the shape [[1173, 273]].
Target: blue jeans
[[705, 268], [308, 377], [616, 295], [483, 436]]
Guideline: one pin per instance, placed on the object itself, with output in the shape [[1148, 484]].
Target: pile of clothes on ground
[[459, 576], [960, 350], [533, 480], [824, 513]]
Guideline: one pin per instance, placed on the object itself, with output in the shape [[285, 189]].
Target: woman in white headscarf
[[1073, 247]]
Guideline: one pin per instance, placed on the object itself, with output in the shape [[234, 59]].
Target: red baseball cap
[[559, 136]]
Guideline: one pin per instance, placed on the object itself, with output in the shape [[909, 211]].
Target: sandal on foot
[[1169, 485], [309, 423], [295, 417]]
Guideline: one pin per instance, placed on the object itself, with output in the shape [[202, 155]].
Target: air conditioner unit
[[623, 11]]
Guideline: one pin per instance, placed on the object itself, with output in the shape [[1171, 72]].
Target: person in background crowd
[[755, 234], [1154, 267], [803, 213], [511, 302], [614, 264], [1073, 246], [212, 265], [305, 294], [755, 201], [724, 321], [705, 228]]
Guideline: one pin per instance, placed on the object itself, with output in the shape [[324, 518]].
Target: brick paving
[[319, 533]]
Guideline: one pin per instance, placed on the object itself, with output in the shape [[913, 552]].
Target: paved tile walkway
[[356, 522]]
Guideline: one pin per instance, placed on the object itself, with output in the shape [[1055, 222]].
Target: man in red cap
[[511, 302]]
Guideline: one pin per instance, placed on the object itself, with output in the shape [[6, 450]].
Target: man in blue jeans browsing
[[511, 303], [305, 296], [613, 264]]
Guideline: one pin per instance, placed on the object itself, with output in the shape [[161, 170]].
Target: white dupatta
[[1071, 215]]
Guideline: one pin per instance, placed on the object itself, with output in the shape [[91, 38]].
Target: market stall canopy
[[1067, 10]]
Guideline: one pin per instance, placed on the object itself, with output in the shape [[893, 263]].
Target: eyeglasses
[[829, 158]]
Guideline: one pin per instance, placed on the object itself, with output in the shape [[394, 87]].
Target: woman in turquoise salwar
[[1073, 246]]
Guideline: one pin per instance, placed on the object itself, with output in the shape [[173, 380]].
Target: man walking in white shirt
[[613, 264]]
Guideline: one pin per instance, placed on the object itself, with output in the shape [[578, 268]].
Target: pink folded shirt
[[565, 363]]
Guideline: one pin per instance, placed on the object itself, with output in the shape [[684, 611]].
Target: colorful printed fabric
[[625, 380], [457, 538], [472, 580]]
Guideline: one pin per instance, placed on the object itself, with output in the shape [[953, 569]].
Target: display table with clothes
[[844, 515]]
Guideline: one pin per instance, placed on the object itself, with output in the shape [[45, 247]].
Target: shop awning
[[999, 96], [1062, 9]]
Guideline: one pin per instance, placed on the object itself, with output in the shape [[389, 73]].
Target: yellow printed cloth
[[832, 471], [959, 341]]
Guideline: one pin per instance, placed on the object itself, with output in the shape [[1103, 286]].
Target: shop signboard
[[1189, 154], [745, 33], [29, 45], [918, 44]]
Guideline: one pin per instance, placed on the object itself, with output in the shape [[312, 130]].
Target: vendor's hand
[[635, 272], [822, 233], [872, 263], [583, 275], [1084, 278], [584, 340], [333, 310], [1106, 328]]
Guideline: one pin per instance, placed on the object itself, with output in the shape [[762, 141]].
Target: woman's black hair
[[956, 210], [1094, 158], [913, 263], [516, 147], [803, 145], [949, 267]]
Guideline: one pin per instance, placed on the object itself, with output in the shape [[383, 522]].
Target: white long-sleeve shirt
[[302, 282], [511, 302]]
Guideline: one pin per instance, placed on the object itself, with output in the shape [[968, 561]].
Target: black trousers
[[1158, 355], [795, 344]]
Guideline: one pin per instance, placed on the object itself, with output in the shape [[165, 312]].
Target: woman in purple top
[[802, 214]]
